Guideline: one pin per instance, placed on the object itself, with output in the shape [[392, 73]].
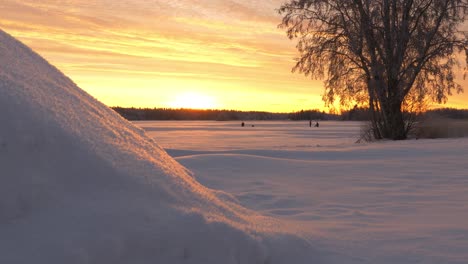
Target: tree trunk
[[395, 127], [387, 118], [375, 119]]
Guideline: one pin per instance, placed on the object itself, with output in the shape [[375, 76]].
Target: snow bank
[[81, 185]]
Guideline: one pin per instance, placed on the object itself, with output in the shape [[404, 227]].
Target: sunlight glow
[[122, 55], [193, 100]]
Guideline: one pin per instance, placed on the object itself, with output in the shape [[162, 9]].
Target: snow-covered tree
[[379, 52]]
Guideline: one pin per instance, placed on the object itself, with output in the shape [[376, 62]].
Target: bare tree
[[377, 52]]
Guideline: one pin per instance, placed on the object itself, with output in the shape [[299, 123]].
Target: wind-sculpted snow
[[81, 185]]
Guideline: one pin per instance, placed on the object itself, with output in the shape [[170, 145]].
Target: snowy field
[[387, 202]]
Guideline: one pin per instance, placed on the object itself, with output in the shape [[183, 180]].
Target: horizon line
[[272, 112]]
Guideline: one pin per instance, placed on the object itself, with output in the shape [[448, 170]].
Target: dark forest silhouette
[[355, 114]]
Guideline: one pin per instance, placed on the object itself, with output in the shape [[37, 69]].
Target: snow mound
[[79, 184]]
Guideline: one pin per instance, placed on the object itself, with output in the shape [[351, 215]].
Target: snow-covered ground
[[387, 202]]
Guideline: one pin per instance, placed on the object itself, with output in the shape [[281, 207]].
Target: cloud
[[233, 44]]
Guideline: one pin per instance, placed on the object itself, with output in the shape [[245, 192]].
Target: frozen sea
[[385, 202], [264, 135]]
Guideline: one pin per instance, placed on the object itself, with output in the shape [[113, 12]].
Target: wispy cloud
[[228, 45]]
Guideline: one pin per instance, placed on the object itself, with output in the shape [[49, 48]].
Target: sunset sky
[[187, 53]]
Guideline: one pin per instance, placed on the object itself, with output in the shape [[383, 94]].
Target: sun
[[193, 100]]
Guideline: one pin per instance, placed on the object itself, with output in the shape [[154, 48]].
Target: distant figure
[[317, 124], [310, 123], [242, 124], [253, 125]]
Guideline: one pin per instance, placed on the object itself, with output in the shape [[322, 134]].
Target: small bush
[[367, 133]]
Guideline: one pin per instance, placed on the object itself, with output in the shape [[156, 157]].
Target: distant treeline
[[355, 114], [312, 115], [195, 114], [449, 113], [363, 114]]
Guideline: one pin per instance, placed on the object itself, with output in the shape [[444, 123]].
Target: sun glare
[[193, 101]]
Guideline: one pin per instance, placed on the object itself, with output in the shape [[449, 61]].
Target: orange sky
[[150, 53]]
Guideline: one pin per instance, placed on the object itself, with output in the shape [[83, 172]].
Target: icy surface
[[380, 203], [79, 184]]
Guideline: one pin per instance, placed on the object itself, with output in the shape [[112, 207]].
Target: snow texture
[[79, 184], [387, 202]]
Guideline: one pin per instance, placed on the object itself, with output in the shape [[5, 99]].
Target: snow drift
[[79, 184]]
